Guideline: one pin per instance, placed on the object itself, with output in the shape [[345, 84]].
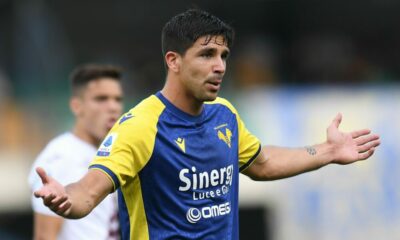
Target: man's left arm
[[341, 148]]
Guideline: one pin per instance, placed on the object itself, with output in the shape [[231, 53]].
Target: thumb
[[337, 120], [42, 174]]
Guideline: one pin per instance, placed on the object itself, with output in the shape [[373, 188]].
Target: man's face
[[203, 67], [99, 106]]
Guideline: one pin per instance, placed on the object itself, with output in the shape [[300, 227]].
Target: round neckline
[[186, 116]]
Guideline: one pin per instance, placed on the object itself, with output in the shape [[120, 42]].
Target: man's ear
[[75, 104], [173, 61]]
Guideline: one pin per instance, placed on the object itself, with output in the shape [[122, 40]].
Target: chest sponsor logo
[[194, 215], [200, 183], [106, 146]]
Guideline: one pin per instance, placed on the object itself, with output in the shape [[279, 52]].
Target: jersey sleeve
[[249, 145], [129, 145]]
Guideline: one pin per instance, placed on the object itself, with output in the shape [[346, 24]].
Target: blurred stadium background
[[295, 64]]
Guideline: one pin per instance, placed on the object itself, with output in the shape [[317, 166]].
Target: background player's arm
[[341, 148], [46, 227], [75, 200]]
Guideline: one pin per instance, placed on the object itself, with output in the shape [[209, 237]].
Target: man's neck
[[84, 136], [182, 100]]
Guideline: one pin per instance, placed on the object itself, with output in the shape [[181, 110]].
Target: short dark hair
[[181, 31], [83, 74]]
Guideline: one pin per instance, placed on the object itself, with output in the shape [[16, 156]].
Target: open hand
[[53, 194], [353, 146]]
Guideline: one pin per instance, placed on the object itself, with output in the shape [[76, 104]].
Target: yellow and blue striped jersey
[[177, 174]]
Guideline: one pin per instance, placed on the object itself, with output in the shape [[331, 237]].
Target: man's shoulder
[[62, 138], [59, 142], [67, 141], [219, 101], [63, 145], [148, 110], [59, 156]]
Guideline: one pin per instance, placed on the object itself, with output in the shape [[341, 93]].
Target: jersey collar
[[178, 112]]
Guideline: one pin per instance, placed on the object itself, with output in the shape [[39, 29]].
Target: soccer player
[[175, 157], [96, 104]]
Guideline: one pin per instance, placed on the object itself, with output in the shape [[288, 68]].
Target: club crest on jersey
[[226, 135], [106, 146]]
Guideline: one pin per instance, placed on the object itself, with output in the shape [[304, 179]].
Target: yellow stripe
[[132, 190]]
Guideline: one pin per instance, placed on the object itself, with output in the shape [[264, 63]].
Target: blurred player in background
[[175, 158], [96, 103]]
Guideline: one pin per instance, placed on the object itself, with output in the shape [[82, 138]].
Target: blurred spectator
[[96, 103]]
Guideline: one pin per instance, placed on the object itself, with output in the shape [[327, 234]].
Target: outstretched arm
[[75, 200], [341, 148]]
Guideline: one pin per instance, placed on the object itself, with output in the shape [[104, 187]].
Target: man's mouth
[[110, 123], [214, 84]]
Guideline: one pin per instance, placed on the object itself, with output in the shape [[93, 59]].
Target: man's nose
[[114, 105], [219, 65]]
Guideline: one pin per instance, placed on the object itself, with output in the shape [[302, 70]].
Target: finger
[[55, 206], [337, 120], [63, 208], [368, 146], [42, 174], [365, 155], [47, 199], [66, 203], [39, 193], [43, 192], [366, 138], [58, 200], [359, 133]]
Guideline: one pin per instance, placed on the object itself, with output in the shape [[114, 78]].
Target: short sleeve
[[249, 145], [129, 145], [125, 151]]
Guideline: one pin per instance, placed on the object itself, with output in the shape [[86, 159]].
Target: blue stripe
[[109, 172], [123, 217], [179, 112]]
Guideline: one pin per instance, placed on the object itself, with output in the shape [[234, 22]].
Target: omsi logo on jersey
[[194, 215], [106, 146]]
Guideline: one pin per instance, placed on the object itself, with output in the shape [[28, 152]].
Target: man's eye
[[225, 56], [206, 55], [100, 98]]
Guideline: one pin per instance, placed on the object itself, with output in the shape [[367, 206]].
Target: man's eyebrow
[[208, 49]]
